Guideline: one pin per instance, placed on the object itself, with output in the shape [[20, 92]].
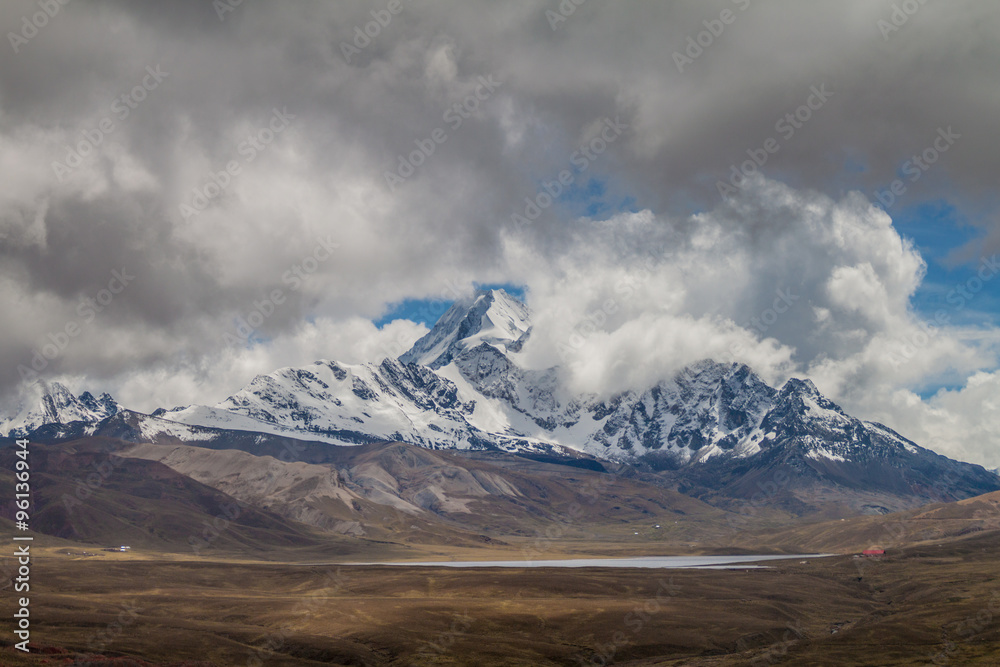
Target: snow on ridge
[[490, 316], [153, 427], [207, 417], [815, 411], [892, 435], [469, 392], [818, 453], [52, 403]]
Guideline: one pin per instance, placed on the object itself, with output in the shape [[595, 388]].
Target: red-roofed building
[[873, 552]]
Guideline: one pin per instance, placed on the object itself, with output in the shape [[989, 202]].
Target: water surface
[[706, 562]]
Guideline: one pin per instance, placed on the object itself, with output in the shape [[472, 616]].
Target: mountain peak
[[800, 386], [490, 316], [52, 403]]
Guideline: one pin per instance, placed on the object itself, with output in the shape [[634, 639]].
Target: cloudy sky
[[192, 193]]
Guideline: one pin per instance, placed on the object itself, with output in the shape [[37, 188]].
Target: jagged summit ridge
[[52, 403], [491, 316], [359, 403]]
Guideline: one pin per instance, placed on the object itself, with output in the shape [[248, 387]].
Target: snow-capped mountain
[[355, 404], [807, 452], [452, 398], [706, 410], [463, 386], [52, 403], [491, 317]]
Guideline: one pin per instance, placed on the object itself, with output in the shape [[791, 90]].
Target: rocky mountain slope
[[82, 491], [411, 494]]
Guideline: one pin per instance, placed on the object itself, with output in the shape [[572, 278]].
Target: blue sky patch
[[428, 311], [937, 229]]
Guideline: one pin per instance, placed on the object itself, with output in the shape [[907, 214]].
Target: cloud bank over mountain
[[235, 163]]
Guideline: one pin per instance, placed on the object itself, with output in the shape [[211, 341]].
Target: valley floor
[[925, 604]]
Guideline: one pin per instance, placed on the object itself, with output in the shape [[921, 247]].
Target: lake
[[704, 562]]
